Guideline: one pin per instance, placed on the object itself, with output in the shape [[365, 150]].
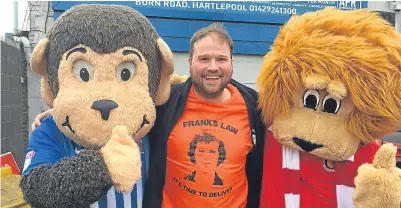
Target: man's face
[[207, 156], [211, 66]]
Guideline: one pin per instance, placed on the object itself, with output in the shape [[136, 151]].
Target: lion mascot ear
[[167, 61], [39, 66]]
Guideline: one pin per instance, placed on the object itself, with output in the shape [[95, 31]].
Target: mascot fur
[[103, 69], [329, 88]]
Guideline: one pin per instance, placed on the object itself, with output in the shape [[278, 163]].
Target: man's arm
[[52, 179], [254, 165], [40, 117]]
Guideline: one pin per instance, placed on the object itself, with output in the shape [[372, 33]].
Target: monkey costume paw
[[104, 69], [329, 89]]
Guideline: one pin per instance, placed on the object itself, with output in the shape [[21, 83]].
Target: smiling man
[[211, 125]]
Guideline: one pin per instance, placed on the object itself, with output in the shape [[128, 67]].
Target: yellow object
[[175, 78], [11, 195], [6, 171]]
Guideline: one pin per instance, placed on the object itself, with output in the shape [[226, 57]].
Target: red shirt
[[315, 182]]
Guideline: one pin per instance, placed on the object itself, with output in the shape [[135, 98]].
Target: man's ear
[[39, 66], [163, 92]]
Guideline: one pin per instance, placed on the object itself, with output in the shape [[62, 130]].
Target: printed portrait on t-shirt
[[206, 152]]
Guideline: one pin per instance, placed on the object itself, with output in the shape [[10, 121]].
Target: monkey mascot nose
[[104, 106]]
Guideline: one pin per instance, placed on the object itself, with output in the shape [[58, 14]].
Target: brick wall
[[13, 102]]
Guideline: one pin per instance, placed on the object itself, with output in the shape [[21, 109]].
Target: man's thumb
[[385, 157]]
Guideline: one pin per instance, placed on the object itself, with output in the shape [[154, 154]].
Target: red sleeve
[[366, 153], [349, 169]]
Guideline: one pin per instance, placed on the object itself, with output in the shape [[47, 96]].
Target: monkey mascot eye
[[82, 70], [311, 99], [125, 71], [331, 104]]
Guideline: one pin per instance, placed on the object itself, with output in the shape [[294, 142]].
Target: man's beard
[[210, 91]]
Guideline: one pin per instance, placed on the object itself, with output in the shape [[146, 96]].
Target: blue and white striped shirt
[[42, 151]]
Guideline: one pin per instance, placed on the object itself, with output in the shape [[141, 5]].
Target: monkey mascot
[[104, 69], [329, 89]]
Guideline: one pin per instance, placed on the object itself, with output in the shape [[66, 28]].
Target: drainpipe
[[15, 32], [20, 39], [27, 49]]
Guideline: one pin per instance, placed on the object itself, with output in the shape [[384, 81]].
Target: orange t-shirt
[[206, 154]]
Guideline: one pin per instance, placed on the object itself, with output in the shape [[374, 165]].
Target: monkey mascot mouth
[[67, 124], [104, 117]]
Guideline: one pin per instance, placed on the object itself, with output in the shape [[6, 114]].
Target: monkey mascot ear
[[176, 79], [163, 93], [39, 66]]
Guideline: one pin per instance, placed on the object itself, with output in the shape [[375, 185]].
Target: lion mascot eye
[[331, 104], [311, 99]]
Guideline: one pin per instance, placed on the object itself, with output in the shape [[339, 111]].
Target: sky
[[7, 16]]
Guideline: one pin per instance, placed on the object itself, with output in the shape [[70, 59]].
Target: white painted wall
[[379, 5]]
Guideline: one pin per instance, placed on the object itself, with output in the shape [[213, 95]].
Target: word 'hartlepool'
[[237, 6]]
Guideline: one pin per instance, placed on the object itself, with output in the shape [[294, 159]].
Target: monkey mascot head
[[331, 84], [102, 66]]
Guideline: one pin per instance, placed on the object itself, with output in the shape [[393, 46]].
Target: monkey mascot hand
[[329, 89], [104, 69]]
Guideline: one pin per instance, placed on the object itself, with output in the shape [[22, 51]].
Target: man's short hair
[[216, 29]]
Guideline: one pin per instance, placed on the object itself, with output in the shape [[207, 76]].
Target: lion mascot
[[104, 69], [330, 88]]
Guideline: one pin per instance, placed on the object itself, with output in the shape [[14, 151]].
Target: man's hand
[[378, 185], [40, 117], [123, 159]]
